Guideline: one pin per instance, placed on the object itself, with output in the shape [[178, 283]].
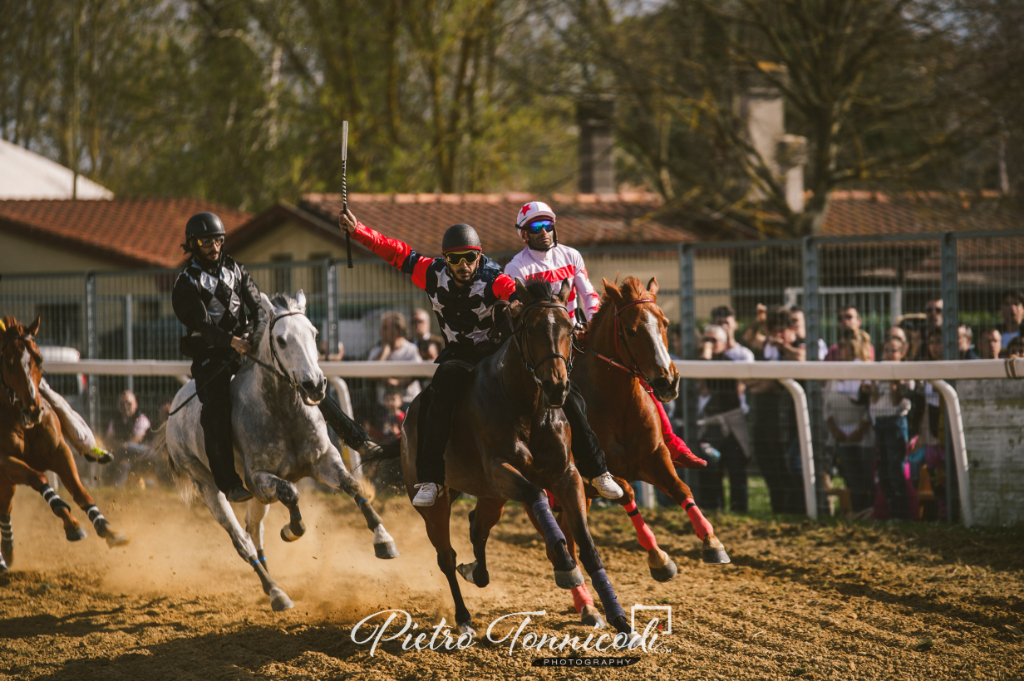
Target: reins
[[11, 397], [520, 334], [635, 371]]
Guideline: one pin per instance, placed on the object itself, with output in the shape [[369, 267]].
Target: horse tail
[[158, 449]]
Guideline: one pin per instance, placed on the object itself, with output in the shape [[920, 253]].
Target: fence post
[[331, 274], [128, 338], [92, 347], [950, 346], [687, 332], [812, 314]]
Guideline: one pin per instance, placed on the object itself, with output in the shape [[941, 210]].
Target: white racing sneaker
[[427, 494], [606, 486]]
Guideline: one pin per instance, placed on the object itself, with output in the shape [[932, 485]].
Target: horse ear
[[300, 300], [33, 328], [652, 286], [521, 291], [612, 291], [268, 306], [563, 293]]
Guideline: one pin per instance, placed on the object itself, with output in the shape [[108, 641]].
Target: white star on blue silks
[[481, 311], [478, 335], [435, 303], [478, 288], [449, 334], [443, 278]]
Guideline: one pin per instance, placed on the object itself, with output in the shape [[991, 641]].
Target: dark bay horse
[[31, 442], [623, 363], [511, 442]]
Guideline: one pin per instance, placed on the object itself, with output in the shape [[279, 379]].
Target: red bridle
[[635, 371]]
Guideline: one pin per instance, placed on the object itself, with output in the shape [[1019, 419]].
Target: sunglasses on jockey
[[207, 240], [538, 226], [457, 257]]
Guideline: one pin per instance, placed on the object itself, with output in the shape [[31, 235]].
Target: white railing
[[787, 373]]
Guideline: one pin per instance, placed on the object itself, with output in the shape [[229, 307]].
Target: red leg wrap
[[681, 454], [552, 501], [581, 597], [643, 533], [700, 523]]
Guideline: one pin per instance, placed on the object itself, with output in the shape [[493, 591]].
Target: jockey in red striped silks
[[547, 259]]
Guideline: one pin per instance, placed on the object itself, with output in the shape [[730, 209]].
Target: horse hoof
[[114, 540], [466, 570], [75, 533], [287, 534], [621, 625], [713, 552], [385, 550], [467, 628], [279, 600], [667, 573], [591, 617], [3, 569], [7, 551], [569, 579]]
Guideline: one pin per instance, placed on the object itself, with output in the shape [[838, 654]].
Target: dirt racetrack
[[805, 600]]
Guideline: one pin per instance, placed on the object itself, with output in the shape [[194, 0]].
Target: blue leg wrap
[[604, 590], [552, 533]]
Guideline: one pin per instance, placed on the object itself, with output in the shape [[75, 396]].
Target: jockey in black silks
[[462, 285], [219, 304]]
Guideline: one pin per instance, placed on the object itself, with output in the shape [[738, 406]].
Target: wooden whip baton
[[344, 188]]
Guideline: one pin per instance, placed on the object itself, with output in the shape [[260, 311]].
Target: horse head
[[21, 369], [641, 335], [289, 344], [544, 333]]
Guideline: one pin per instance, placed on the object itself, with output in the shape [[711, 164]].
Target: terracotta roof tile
[[583, 219], [130, 232]]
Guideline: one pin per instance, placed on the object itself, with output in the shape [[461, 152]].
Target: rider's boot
[[681, 454], [350, 432], [426, 494], [220, 452], [586, 449]]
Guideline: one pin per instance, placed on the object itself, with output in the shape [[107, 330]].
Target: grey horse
[[279, 436]]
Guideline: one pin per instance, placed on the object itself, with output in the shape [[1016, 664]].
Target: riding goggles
[[538, 226], [205, 241], [457, 257]]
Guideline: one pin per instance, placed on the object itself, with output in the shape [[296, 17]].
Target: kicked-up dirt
[[800, 599]]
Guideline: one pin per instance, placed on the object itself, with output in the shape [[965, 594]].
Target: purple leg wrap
[[552, 533], [606, 593]]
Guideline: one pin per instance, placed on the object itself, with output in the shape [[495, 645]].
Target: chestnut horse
[[511, 442], [623, 362], [31, 442]]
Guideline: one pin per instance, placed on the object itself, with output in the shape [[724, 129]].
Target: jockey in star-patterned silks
[[462, 285], [547, 259]]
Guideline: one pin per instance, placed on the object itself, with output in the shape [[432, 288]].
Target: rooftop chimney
[[597, 167]]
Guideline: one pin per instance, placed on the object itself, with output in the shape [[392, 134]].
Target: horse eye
[[281, 342], [631, 333]]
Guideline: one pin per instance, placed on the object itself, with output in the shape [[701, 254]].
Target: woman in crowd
[[849, 424]]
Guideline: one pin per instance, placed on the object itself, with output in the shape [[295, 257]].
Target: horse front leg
[[20, 473], [331, 471], [661, 565], [64, 466], [481, 519], [255, 512], [6, 532], [662, 474], [223, 514], [269, 488], [437, 519], [569, 490]]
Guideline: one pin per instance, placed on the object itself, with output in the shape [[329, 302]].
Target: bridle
[[520, 334], [635, 371], [11, 396], [279, 368]]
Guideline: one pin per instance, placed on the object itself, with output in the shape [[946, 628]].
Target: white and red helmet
[[532, 211]]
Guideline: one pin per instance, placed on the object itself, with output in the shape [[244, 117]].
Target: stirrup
[[427, 494], [606, 486]]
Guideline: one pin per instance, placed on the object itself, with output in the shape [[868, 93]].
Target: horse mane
[[630, 289], [12, 326], [283, 300], [539, 289]]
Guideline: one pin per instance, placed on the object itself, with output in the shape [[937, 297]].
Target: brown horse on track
[[31, 442], [512, 442], [624, 362]]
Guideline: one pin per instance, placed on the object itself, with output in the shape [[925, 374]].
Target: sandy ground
[[803, 600]]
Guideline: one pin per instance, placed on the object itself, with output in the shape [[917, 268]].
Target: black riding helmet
[[203, 225], [460, 237]]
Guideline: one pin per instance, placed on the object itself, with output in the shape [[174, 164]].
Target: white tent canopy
[[25, 174]]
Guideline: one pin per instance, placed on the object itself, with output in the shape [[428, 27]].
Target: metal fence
[[974, 277]]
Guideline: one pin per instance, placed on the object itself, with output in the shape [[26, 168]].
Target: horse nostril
[[310, 386]]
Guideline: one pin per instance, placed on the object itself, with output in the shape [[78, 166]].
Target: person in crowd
[[933, 314], [723, 427], [991, 343], [1013, 315], [890, 405], [125, 434], [392, 415], [773, 418], [801, 332], [336, 356], [395, 347], [965, 342], [423, 338], [849, 318], [931, 351], [1015, 349], [725, 317], [755, 335], [849, 423]]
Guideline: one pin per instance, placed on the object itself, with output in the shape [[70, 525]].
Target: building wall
[[19, 255], [288, 239]]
